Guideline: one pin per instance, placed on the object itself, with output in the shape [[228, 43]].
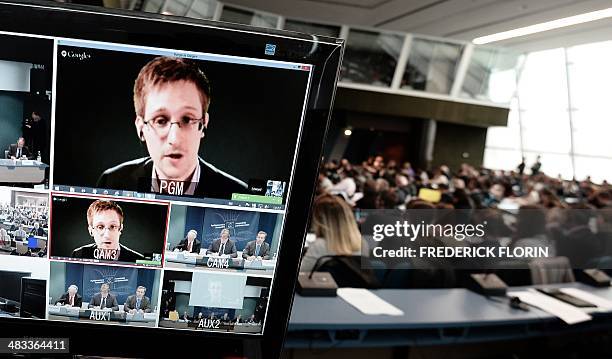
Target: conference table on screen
[[431, 317], [226, 327], [100, 316], [214, 261], [22, 171]]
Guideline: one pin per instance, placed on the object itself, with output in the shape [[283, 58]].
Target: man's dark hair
[[164, 69]]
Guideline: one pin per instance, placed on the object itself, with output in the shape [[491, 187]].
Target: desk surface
[[431, 317], [422, 308]]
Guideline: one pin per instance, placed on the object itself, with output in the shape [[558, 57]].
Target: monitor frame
[[98, 24]]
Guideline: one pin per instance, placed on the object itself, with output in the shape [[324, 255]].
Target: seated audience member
[[37, 231], [336, 230], [19, 150], [257, 249], [71, 297], [104, 299], [224, 245], [531, 230], [138, 302], [190, 243]]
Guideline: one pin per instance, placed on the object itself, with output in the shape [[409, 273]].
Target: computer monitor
[[33, 294], [32, 242], [178, 115], [11, 285]]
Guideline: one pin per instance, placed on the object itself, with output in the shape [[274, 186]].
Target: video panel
[[26, 68], [222, 239], [176, 123], [108, 230]]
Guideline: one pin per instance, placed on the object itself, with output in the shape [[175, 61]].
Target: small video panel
[[218, 239], [26, 68], [106, 230], [24, 223], [23, 287], [221, 302], [103, 294]]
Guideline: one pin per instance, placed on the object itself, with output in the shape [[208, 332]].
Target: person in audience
[[37, 231], [336, 230]]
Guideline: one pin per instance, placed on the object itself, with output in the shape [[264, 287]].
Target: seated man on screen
[[105, 220], [186, 317], [20, 234], [37, 231], [224, 245], [257, 249], [104, 299], [71, 298], [19, 150], [138, 303], [190, 243], [171, 100]]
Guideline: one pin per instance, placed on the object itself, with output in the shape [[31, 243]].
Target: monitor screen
[[11, 284], [167, 168]]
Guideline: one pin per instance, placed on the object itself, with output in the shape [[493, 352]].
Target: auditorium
[[307, 179]]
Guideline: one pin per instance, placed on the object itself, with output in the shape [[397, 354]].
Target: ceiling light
[[545, 26]]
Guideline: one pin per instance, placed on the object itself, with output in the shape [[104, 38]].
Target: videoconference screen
[[143, 186]]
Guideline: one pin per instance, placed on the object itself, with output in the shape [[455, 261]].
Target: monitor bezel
[[110, 25]]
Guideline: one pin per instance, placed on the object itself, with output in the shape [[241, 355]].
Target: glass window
[[371, 57], [310, 28], [553, 164], [598, 168], [202, 9], [153, 6], [509, 136], [431, 66], [491, 75], [177, 7], [501, 159], [247, 17]]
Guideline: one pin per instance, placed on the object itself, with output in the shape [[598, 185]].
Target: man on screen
[[190, 243], [171, 100], [105, 224], [19, 150], [138, 302], [104, 299], [257, 249], [71, 297], [224, 245]]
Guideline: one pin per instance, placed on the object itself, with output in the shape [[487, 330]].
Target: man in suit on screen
[[257, 249], [19, 150], [171, 99], [105, 225], [224, 245], [104, 299], [71, 297], [190, 243], [138, 302]]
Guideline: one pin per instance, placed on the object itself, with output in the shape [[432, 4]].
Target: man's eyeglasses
[[161, 124], [112, 228]]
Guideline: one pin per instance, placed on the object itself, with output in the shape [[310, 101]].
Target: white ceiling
[[458, 19]]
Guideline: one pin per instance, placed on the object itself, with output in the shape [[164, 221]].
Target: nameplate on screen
[[217, 262], [100, 315], [209, 324], [106, 254]]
